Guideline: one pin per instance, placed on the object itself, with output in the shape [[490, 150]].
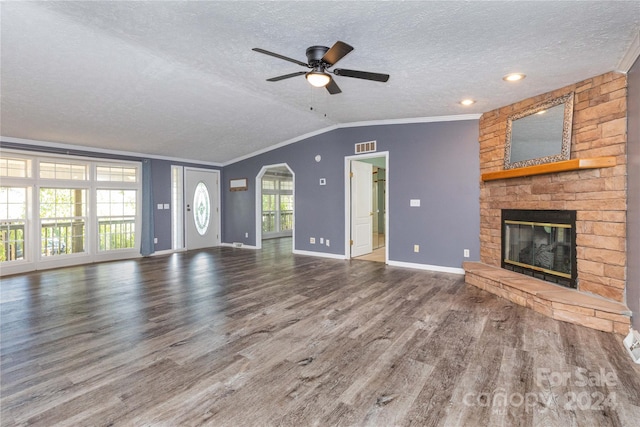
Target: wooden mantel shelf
[[564, 166]]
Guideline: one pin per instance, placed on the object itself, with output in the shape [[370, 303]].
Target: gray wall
[[315, 205], [161, 175], [633, 193], [437, 163]]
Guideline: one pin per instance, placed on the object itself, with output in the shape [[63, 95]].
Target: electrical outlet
[[466, 253], [312, 240], [416, 248], [327, 242], [246, 234], [322, 240], [155, 240]]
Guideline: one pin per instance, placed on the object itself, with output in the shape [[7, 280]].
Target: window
[[177, 197], [117, 192], [60, 210], [268, 184], [286, 184], [116, 174], [67, 171], [116, 211], [286, 212], [62, 221], [268, 213], [277, 204], [13, 215], [17, 168]]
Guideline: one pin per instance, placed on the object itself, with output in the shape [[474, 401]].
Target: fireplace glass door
[[540, 249]]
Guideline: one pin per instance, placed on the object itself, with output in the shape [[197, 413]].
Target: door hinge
[[351, 242], [350, 174]]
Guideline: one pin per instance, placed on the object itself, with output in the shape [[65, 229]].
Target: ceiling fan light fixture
[[318, 78]]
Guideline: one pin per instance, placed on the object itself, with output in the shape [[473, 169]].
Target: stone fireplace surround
[[598, 195]]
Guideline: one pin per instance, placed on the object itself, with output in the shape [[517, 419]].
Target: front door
[[201, 208], [361, 208]]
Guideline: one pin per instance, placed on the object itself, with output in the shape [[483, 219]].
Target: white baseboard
[[238, 245], [319, 254], [167, 252], [426, 267]]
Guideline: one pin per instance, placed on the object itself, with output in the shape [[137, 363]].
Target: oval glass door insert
[[201, 208]]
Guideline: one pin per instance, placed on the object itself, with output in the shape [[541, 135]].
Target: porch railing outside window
[[11, 240], [277, 204], [116, 234], [13, 213], [269, 224]]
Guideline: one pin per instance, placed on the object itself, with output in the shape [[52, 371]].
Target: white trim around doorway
[[258, 192], [347, 201]]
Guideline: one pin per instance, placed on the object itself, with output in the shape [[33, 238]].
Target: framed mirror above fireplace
[[540, 134]]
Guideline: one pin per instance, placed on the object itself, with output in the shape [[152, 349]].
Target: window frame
[[277, 191], [33, 260]]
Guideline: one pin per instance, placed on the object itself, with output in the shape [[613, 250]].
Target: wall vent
[[365, 147]]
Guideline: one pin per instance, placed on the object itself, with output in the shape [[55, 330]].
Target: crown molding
[[70, 147], [460, 117], [90, 150], [631, 55]]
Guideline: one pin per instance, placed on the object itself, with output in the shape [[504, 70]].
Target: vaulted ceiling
[[179, 79]]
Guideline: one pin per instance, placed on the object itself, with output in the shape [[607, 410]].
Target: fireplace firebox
[[540, 243]]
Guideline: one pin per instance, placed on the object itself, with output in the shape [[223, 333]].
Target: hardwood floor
[[378, 255], [235, 337]]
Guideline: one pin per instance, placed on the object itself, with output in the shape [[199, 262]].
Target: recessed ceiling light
[[467, 102], [513, 77]]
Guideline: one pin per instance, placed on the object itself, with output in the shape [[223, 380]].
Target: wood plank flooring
[[235, 337]]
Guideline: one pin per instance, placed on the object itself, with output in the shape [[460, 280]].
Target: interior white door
[[201, 209], [361, 208]]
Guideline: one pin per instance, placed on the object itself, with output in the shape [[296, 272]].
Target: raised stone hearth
[[552, 300]]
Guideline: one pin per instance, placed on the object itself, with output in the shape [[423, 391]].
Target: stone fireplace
[[596, 195]]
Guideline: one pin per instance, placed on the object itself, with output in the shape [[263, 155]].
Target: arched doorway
[[275, 203]]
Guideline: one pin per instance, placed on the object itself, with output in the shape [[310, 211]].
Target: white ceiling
[[179, 79]]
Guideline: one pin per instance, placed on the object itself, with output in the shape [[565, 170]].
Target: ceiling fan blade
[[266, 52], [332, 87], [338, 51], [286, 76], [361, 75]]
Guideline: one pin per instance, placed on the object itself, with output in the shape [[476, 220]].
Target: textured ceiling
[[179, 79]]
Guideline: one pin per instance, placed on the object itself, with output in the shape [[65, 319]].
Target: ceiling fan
[[320, 59]]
